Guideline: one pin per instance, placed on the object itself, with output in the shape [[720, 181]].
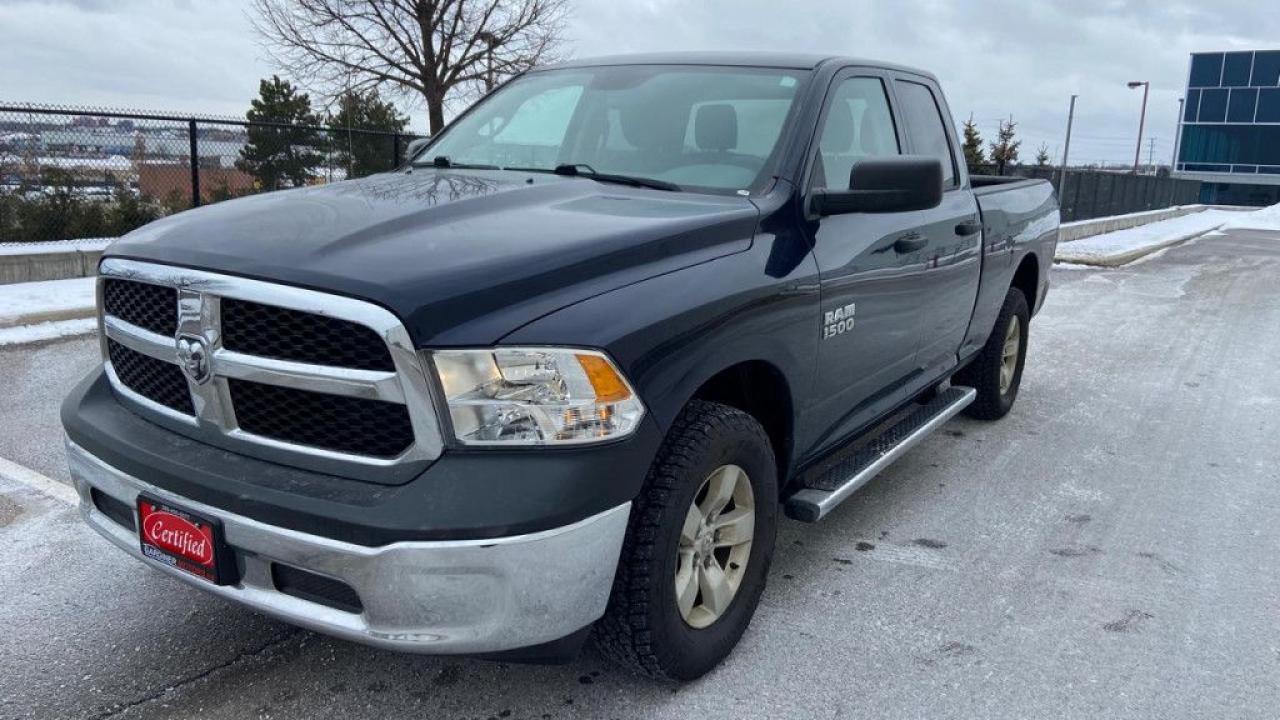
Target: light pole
[[1142, 119], [1066, 149], [1177, 136]]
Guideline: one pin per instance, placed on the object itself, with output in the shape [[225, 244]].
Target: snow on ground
[[39, 332], [1117, 248], [23, 303], [54, 246], [1268, 218]]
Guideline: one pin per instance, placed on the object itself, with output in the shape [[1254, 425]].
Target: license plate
[[184, 540]]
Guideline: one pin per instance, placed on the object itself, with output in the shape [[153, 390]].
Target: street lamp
[[1142, 119], [1062, 172], [1177, 135]]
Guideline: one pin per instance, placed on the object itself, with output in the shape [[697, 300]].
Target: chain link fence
[[69, 173], [1088, 194]]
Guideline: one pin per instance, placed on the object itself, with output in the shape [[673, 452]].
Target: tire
[[996, 398], [643, 627]]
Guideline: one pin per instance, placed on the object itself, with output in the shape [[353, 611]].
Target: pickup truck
[[561, 375]]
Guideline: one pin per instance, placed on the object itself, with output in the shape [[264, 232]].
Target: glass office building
[[1230, 131]]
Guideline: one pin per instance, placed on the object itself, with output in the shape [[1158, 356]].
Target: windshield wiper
[[585, 170], [443, 161]]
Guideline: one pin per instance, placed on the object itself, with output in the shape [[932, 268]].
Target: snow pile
[[1268, 218], [1122, 246], [46, 300], [39, 332]]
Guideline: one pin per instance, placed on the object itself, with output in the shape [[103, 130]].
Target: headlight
[[536, 396]]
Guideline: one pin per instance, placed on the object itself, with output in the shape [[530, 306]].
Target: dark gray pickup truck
[[563, 372]]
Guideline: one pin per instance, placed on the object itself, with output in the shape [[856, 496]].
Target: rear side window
[[925, 127], [858, 125]]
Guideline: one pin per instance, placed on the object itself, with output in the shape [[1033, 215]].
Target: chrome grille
[[156, 380], [148, 306], [346, 424], [285, 334], [297, 376]]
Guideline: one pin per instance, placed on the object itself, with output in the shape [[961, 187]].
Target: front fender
[[671, 333]]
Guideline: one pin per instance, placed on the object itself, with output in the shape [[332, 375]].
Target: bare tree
[[433, 50]]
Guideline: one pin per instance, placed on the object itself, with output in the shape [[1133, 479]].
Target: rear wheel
[[997, 371], [698, 547]]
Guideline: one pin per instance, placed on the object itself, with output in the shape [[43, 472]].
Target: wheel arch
[[1027, 279], [760, 389]]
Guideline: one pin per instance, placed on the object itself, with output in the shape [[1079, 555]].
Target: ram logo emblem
[[838, 321], [193, 356]]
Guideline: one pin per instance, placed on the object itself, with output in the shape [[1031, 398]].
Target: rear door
[[871, 292], [951, 233]]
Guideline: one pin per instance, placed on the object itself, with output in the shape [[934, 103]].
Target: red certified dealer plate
[[182, 539]]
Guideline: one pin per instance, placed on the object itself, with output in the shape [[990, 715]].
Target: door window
[[928, 133], [858, 125]]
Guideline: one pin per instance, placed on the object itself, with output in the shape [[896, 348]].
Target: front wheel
[[698, 547], [997, 371]]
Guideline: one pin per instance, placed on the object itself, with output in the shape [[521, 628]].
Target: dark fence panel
[[1096, 193], [70, 173]]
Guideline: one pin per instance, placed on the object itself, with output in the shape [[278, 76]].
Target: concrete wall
[[25, 267], [1088, 228]]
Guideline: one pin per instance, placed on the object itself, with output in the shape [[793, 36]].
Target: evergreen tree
[[1042, 156], [364, 153], [280, 156], [1004, 150], [973, 155]]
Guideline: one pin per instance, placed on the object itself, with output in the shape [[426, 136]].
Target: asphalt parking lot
[[1111, 549]]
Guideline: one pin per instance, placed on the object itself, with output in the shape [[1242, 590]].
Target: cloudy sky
[[995, 58]]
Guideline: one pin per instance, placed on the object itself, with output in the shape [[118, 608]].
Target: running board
[[832, 486]]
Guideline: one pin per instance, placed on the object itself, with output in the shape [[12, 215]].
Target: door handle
[[909, 243], [968, 228]]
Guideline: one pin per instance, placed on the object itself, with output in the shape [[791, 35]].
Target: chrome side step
[[835, 484]]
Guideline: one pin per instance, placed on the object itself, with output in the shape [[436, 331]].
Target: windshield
[[712, 128]]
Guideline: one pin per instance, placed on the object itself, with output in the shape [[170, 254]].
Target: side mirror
[[890, 184], [414, 146]]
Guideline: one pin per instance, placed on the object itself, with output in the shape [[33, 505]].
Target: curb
[[46, 332], [44, 316], [1081, 229], [1127, 257]]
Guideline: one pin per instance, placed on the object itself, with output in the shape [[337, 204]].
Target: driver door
[[871, 289]]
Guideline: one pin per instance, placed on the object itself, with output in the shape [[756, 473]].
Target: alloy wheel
[[1009, 354], [715, 546]]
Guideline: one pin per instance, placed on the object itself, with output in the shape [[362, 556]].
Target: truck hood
[[462, 257]]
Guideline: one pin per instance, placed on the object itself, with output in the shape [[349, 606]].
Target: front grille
[[284, 334], [330, 422], [153, 307], [360, 400], [153, 379]]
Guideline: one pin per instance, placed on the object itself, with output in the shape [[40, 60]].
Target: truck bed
[[1019, 218], [989, 184]]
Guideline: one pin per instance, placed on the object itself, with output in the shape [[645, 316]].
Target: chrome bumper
[[461, 596]]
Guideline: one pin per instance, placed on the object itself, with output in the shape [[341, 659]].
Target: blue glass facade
[[1231, 119]]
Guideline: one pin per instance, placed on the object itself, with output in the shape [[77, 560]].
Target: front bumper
[[448, 596]]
